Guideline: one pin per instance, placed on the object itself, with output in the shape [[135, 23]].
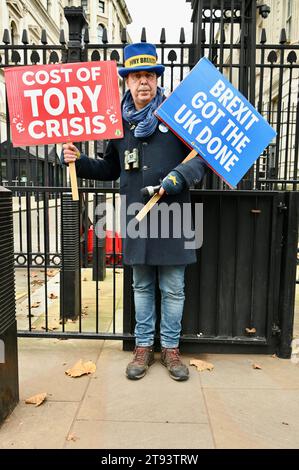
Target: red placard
[[63, 103]]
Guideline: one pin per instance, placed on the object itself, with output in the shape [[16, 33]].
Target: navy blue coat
[[158, 155]]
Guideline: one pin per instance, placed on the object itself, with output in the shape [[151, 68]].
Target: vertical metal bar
[[296, 148], [211, 39], [243, 54], [253, 264], [96, 253], [20, 222], [260, 97], [81, 201], [219, 266], [234, 315], [288, 273], [231, 51], [9, 161], [279, 105], [46, 253], [288, 111], [28, 228], [221, 37], [114, 261], [62, 273]]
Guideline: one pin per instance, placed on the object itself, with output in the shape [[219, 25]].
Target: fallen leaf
[[81, 368], [257, 366], [35, 304], [53, 296], [72, 437], [36, 399], [50, 274], [285, 423], [85, 306], [201, 365], [30, 315], [37, 282], [33, 327], [84, 279], [250, 331], [33, 274]]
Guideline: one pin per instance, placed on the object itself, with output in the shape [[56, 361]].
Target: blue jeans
[[171, 284]]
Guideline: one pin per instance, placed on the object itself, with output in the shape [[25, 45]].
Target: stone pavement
[[233, 406]]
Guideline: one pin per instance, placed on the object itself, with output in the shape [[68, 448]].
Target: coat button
[[145, 167]]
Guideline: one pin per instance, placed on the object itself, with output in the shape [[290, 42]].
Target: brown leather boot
[[143, 358], [170, 358]]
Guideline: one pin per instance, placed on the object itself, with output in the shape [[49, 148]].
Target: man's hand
[[70, 152], [172, 184]]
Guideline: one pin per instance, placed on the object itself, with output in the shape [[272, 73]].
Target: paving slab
[[43, 427], [236, 371], [155, 398], [139, 435], [250, 419], [43, 362]]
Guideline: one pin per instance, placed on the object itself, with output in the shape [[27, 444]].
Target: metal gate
[[268, 75]]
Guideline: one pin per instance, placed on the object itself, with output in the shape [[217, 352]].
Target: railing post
[[288, 273], [70, 305], [77, 22], [9, 386], [99, 244], [70, 294]]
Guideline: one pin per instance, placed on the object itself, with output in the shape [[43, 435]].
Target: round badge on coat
[[163, 128]]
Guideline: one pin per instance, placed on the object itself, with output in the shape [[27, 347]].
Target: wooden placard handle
[[74, 183], [155, 198]]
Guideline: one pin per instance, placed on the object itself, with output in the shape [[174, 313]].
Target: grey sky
[[157, 14]]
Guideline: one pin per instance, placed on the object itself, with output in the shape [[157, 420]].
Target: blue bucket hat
[[141, 56]]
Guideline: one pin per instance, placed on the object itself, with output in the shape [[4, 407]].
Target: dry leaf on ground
[[250, 330], [35, 304], [53, 296], [50, 274], [37, 282], [72, 437], [36, 399], [33, 274], [84, 279], [81, 368], [256, 366], [201, 365]]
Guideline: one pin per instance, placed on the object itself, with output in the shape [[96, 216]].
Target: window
[[13, 33], [102, 7], [289, 19], [100, 32]]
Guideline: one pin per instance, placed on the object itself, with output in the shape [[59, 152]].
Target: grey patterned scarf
[[144, 118]]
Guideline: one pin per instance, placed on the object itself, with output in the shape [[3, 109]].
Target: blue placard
[[215, 119]]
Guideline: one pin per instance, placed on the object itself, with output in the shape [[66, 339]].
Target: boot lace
[[140, 355], [173, 357]]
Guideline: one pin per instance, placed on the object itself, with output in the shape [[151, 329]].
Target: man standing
[[149, 154]]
